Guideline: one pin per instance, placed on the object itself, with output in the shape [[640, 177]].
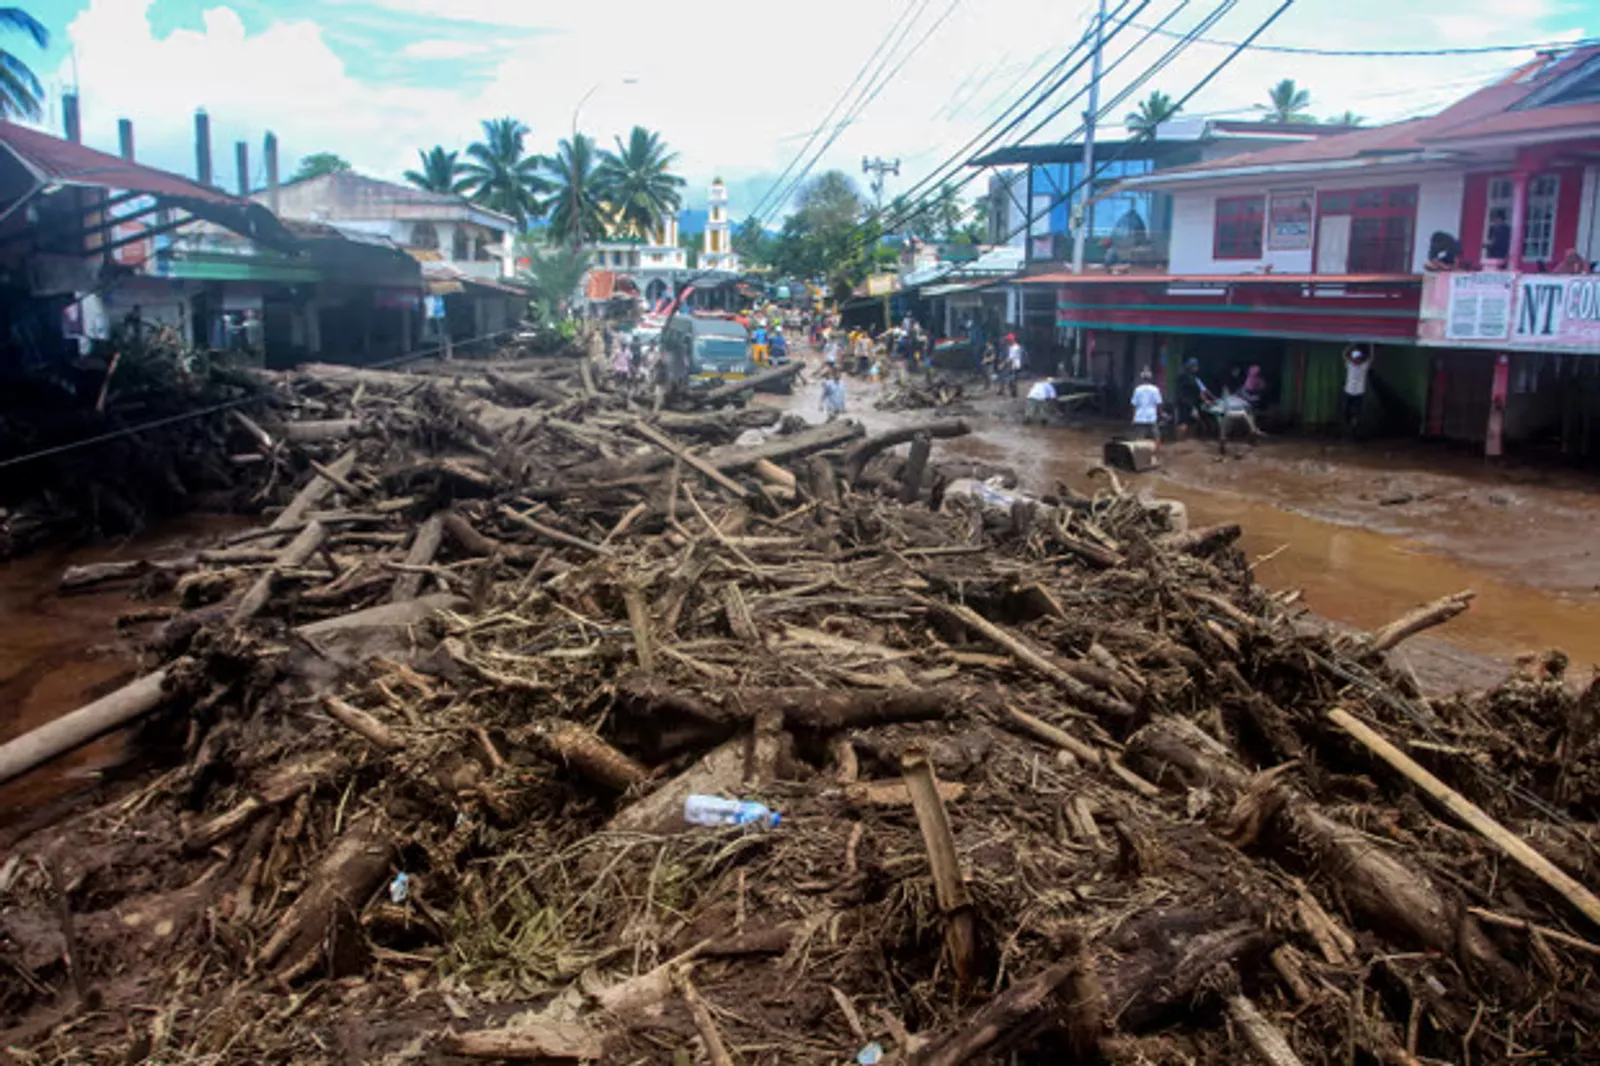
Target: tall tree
[[1346, 118], [1154, 109], [826, 236], [20, 91], [441, 172], [752, 243], [636, 182], [317, 164], [949, 213], [1286, 102], [501, 175], [577, 199]]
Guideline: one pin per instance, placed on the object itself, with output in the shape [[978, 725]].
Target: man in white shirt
[[1041, 398], [1357, 362], [1147, 403], [1013, 364]]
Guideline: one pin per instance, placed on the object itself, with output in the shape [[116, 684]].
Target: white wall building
[[472, 239]]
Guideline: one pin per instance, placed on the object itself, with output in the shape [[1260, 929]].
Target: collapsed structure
[[1056, 777]]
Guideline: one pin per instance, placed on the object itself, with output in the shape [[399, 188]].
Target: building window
[[1240, 221], [459, 247], [1497, 218], [1539, 230], [1382, 222], [423, 235]]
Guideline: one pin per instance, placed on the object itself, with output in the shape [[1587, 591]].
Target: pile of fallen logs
[[916, 393], [1057, 781]]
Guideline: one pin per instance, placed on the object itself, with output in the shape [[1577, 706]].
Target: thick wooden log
[[585, 752], [949, 887], [325, 919], [856, 459], [916, 466], [424, 546], [526, 389], [541, 1042], [695, 462], [777, 449], [1202, 541], [822, 710], [314, 492], [724, 393], [314, 431], [296, 554], [1264, 1038], [111, 711], [1379, 884], [1511, 845], [384, 616]]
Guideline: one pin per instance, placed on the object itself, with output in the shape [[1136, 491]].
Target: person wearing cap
[[1357, 362]]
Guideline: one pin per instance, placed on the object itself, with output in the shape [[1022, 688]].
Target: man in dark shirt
[[1192, 393], [1497, 242]]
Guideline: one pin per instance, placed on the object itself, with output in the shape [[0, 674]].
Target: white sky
[[734, 87]]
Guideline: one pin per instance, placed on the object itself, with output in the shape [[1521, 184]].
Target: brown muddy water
[[58, 652]]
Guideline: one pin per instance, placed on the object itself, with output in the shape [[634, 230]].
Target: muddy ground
[[1366, 529]]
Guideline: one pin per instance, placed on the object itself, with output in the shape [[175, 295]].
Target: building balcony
[[1109, 248], [482, 269]]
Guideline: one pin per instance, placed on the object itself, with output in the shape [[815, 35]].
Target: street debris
[[442, 755]]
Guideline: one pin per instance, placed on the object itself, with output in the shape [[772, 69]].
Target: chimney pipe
[[241, 155], [202, 147], [70, 118], [125, 137], [271, 151]]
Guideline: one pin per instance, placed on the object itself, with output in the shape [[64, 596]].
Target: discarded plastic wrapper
[[715, 810]]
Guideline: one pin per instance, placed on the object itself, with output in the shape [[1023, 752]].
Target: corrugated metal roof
[[62, 162], [55, 161]]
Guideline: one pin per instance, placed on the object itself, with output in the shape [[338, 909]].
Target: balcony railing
[[1106, 248]]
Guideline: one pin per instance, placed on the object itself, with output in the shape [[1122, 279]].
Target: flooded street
[[1368, 531]]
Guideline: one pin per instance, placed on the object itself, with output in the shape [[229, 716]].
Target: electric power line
[[812, 138], [911, 210], [862, 106], [914, 201], [1397, 53]]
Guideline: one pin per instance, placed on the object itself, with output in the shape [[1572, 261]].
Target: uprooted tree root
[[1057, 780]]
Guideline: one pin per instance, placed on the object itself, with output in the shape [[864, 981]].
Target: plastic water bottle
[[714, 810]]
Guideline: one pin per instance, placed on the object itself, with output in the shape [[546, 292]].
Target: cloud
[[441, 48], [734, 95]]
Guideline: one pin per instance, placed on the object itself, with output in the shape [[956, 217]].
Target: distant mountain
[[693, 220]]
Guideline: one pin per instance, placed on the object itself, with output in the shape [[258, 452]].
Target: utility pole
[[878, 167], [1080, 229]]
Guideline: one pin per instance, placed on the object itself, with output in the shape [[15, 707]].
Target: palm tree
[[1348, 118], [577, 205], [1288, 103], [1154, 109], [441, 172], [636, 183], [552, 276], [19, 89], [501, 176], [948, 213]]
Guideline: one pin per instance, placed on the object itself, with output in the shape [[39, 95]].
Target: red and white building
[[1285, 256]]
